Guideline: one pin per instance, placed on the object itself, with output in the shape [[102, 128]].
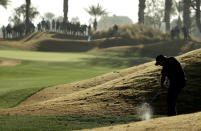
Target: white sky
[[76, 8]]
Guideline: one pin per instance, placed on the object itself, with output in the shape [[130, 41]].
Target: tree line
[[163, 14], [185, 7]]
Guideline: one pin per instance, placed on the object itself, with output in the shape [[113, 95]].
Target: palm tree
[[96, 11], [198, 14], [27, 20], [142, 6], [20, 12], [4, 3], [186, 14], [168, 7], [65, 10], [179, 8]]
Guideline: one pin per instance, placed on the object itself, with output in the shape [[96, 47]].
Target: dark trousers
[[173, 93]]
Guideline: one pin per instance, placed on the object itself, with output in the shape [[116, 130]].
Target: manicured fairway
[[44, 56], [39, 70]]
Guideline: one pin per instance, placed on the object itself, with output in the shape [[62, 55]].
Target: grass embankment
[[118, 92], [60, 123], [115, 96], [41, 70]]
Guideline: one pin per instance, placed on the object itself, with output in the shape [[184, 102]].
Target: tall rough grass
[[134, 33], [128, 35]]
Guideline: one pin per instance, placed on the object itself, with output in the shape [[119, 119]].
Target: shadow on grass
[[68, 36], [64, 46], [60, 123], [117, 62]]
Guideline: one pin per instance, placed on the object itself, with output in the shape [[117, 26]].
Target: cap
[[159, 58]]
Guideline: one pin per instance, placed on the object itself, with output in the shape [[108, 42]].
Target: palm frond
[[96, 10], [4, 3]]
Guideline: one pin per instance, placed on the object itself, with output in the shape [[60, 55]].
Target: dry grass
[[27, 42], [133, 31]]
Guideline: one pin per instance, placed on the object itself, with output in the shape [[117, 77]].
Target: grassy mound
[[116, 93], [136, 32]]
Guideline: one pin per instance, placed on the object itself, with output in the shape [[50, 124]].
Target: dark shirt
[[173, 70]]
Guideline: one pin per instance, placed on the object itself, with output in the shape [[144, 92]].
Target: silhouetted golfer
[[173, 72]]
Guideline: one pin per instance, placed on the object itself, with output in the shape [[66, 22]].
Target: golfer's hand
[[165, 83]]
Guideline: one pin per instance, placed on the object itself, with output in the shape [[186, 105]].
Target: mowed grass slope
[[38, 70]]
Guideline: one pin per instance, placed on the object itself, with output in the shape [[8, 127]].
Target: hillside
[[119, 92], [189, 122]]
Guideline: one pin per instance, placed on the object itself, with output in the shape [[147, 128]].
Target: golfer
[[172, 71]]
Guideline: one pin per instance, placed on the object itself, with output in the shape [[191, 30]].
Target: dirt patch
[[4, 62]]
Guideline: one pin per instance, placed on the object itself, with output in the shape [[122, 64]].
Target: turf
[[40, 70], [61, 123]]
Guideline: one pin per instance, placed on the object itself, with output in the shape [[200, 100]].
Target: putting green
[[44, 56]]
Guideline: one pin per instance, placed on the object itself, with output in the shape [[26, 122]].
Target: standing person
[[43, 23], [4, 32], [9, 31], [89, 33], [186, 33], [114, 30], [95, 25], [172, 71], [53, 25], [39, 27], [177, 31]]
